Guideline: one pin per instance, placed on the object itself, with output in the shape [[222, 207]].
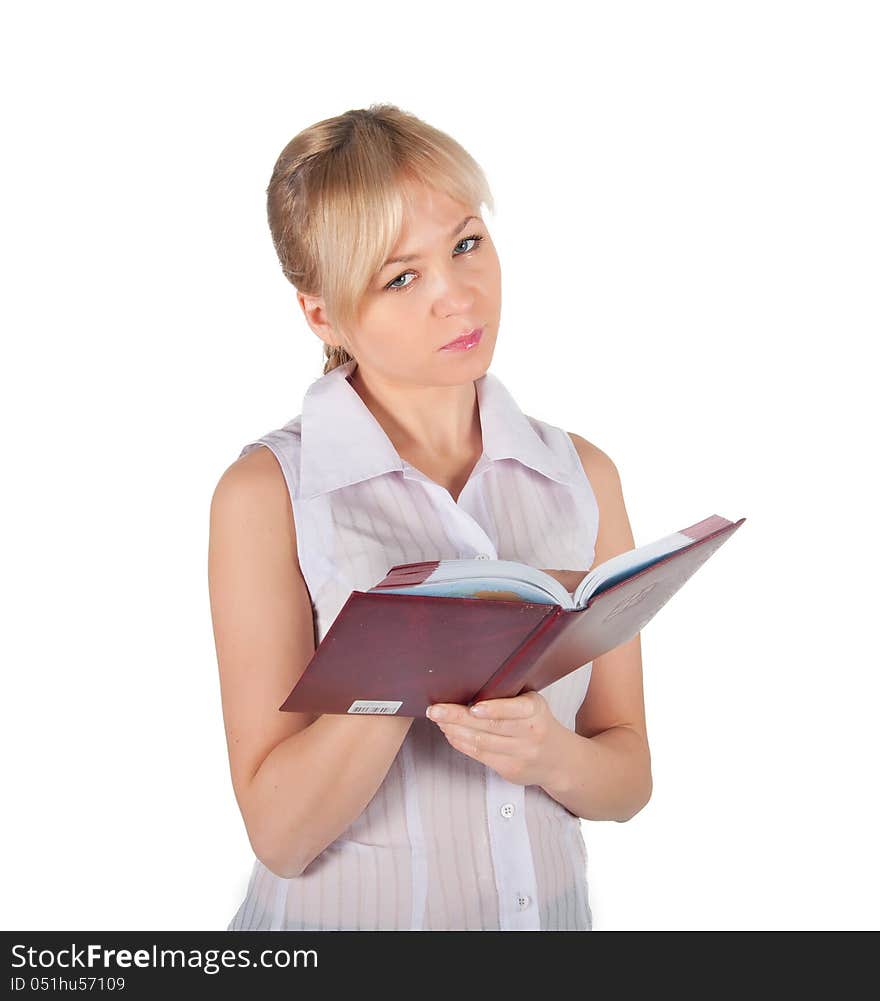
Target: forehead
[[426, 208]]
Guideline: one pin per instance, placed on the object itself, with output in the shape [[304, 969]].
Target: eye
[[391, 287]]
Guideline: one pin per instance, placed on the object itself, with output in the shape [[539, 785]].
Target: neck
[[423, 421]]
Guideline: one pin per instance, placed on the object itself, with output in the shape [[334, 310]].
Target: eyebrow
[[414, 257]]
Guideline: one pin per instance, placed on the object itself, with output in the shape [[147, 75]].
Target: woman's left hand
[[519, 738]]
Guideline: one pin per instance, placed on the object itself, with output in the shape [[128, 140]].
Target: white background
[[687, 219]]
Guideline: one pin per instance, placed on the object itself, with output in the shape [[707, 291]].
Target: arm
[[300, 780], [604, 766]]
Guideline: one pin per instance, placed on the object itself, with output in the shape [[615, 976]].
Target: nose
[[456, 300]]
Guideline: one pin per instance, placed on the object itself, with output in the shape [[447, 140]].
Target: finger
[[446, 711], [504, 729], [519, 707], [478, 743]]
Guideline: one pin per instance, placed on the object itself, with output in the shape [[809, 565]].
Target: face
[[451, 286]]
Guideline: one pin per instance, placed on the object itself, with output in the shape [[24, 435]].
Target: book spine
[[709, 526], [510, 677], [407, 575]]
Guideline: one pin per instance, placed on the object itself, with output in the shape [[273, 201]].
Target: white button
[[508, 810], [522, 901], [483, 556]]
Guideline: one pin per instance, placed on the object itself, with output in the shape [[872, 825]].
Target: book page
[[501, 579], [626, 565]]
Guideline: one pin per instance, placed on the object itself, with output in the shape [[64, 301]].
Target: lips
[[465, 339]]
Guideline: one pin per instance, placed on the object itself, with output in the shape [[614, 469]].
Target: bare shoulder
[[598, 465], [252, 495], [615, 534], [251, 474]]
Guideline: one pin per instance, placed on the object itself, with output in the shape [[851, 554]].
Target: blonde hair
[[337, 197]]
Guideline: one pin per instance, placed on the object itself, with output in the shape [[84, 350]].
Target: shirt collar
[[343, 443]]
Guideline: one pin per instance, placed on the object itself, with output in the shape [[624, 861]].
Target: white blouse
[[445, 843]]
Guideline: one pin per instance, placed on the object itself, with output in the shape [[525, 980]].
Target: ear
[[316, 317]]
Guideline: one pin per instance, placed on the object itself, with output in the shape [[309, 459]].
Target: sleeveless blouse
[[446, 843]]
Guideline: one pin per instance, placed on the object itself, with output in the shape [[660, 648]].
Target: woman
[[407, 449]]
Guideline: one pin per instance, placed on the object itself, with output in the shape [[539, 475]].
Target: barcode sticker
[[377, 708]]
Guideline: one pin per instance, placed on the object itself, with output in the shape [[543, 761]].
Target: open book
[[500, 579], [467, 630]]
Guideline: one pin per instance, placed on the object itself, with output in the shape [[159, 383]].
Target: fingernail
[[479, 709], [436, 712]]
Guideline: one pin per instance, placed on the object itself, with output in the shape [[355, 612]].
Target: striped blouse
[[446, 843]]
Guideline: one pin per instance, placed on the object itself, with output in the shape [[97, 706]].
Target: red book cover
[[396, 654]]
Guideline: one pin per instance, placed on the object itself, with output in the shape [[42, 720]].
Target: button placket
[[515, 877], [469, 531]]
